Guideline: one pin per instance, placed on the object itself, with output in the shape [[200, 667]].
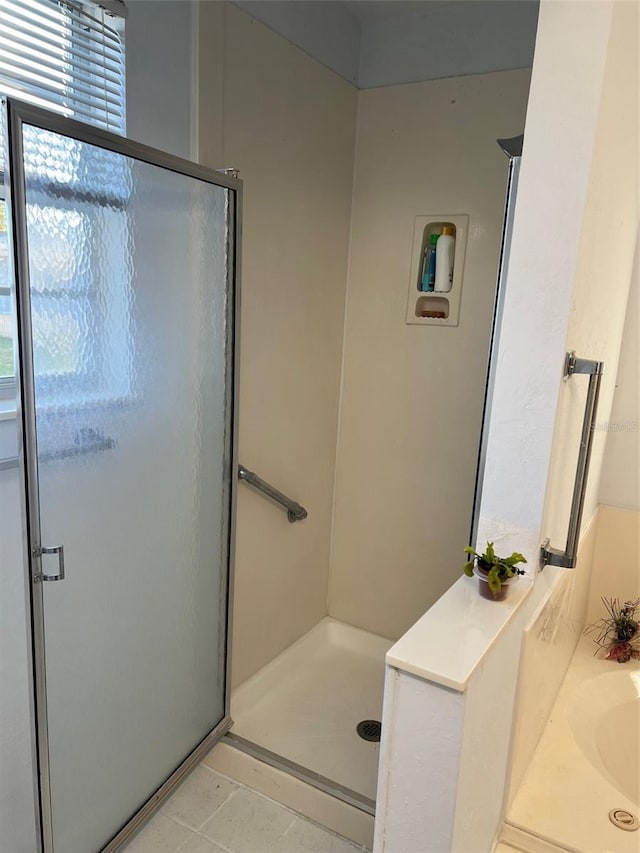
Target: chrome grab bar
[[295, 512], [552, 556]]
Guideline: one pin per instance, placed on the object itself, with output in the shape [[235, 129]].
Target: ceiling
[[375, 43]]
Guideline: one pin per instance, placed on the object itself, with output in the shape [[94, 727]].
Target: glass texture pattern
[[128, 287]]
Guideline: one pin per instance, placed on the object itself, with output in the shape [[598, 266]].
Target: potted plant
[[494, 573], [618, 635]]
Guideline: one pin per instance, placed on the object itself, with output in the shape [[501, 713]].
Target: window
[[78, 231], [68, 56]]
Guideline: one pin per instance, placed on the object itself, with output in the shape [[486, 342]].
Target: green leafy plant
[[497, 569]]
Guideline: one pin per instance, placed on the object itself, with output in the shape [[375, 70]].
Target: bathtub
[[585, 766]]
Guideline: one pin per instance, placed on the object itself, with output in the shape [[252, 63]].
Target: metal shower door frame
[[17, 115], [513, 149]]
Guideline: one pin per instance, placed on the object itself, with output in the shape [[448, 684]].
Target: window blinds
[[66, 55]]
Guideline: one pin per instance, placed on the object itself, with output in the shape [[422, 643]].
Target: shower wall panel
[[411, 402], [289, 127]]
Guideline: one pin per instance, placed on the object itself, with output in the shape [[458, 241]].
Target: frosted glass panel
[[128, 283]]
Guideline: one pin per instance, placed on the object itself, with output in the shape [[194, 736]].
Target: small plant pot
[[483, 587]]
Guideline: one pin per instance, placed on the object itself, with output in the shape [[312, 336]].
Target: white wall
[[543, 321], [412, 396], [620, 481], [159, 45], [616, 562], [552, 626], [427, 724], [616, 572], [611, 208]]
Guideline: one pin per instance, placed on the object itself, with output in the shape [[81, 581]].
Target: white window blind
[[66, 55]]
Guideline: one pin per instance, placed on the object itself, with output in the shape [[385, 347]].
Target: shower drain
[[624, 819], [369, 730]]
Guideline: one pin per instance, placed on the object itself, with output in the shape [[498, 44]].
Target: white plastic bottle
[[445, 250]]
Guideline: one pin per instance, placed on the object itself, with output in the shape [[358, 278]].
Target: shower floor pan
[[304, 706]]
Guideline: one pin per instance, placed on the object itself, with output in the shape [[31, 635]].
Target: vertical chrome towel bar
[[552, 556]]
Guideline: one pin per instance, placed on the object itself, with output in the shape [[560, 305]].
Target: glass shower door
[[126, 266]]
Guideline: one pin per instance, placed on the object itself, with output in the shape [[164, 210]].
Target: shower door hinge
[[38, 551]]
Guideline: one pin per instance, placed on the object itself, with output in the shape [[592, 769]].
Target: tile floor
[[211, 814]]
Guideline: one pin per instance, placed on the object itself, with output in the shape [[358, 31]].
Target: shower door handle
[[38, 552]]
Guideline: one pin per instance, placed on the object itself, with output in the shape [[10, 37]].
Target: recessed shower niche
[[434, 307]]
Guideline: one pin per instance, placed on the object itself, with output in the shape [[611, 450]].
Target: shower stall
[[314, 710], [119, 488]]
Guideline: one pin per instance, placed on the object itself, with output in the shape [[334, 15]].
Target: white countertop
[[450, 640]]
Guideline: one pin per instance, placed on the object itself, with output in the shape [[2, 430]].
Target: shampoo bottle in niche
[[445, 249], [429, 265]]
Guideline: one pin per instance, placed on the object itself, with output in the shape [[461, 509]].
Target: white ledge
[[7, 410], [448, 643]]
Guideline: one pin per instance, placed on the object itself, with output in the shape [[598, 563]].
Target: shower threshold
[[322, 783], [300, 712]]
